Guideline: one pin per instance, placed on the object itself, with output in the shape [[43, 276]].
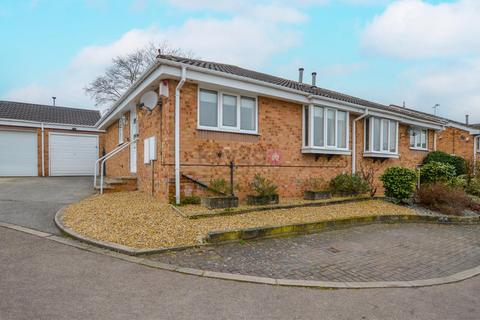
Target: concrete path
[[43, 279], [32, 202]]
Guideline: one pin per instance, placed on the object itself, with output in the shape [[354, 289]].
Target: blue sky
[[420, 52]]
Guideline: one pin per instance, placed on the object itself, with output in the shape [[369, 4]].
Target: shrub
[[399, 182], [437, 172], [368, 174], [442, 198], [220, 186], [457, 162], [187, 200], [473, 187], [348, 185], [263, 187], [458, 182], [315, 185]]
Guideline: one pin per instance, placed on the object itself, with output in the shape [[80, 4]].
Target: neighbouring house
[[211, 114], [41, 140]]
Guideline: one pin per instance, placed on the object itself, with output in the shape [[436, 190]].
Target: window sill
[[228, 131], [368, 154], [419, 149], [326, 151]]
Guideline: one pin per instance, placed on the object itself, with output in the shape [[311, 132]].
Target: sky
[[421, 52]]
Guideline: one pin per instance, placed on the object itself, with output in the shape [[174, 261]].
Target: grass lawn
[[137, 220]]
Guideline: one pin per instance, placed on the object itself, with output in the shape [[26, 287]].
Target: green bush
[[220, 186], [437, 172], [263, 187], [459, 163], [458, 182], [348, 185], [473, 187], [399, 182]]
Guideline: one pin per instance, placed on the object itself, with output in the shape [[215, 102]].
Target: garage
[[72, 154], [18, 153]]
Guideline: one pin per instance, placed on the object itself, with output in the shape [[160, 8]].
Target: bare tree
[[126, 69]]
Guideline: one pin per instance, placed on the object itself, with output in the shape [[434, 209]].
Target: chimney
[[314, 79], [467, 120], [54, 98], [300, 75]]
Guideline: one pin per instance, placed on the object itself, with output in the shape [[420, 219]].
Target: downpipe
[[354, 141], [177, 134]]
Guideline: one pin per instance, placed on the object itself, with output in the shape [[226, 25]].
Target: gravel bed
[[137, 220]]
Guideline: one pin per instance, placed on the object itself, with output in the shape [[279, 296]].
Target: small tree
[[399, 183], [125, 70], [368, 174]]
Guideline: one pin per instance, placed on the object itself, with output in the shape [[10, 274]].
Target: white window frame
[[220, 126], [477, 141], [121, 124], [418, 130], [381, 153], [333, 149]]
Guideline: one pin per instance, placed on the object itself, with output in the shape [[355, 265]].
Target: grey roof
[[49, 114], [303, 87]]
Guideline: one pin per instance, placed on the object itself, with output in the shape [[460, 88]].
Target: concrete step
[[119, 184]]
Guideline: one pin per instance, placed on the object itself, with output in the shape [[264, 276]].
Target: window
[[121, 121], [419, 138], [226, 112], [478, 144], [325, 128], [381, 136]]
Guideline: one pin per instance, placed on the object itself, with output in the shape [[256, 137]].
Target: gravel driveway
[[32, 202]]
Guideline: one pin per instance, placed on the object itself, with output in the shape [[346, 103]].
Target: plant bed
[[221, 202], [263, 200], [316, 195]]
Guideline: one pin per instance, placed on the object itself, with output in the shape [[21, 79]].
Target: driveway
[[32, 202]]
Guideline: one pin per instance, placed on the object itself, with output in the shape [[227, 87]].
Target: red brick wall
[[118, 165], [457, 142], [205, 155]]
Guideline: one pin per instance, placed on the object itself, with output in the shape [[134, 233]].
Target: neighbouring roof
[[303, 87], [48, 114]]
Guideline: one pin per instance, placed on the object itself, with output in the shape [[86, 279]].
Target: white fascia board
[[463, 127], [406, 120], [46, 125]]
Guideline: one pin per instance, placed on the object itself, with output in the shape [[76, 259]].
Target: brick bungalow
[[42, 140], [287, 130]]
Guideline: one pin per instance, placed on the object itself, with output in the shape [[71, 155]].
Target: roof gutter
[[48, 125]]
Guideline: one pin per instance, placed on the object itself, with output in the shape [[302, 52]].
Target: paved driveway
[[32, 202]]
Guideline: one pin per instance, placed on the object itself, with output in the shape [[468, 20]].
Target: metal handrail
[[108, 156], [95, 173]]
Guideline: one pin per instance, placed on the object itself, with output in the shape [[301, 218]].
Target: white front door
[[133, 146]]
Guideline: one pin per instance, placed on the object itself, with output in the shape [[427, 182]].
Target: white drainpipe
[[354, 141], [177, 134], [43, 151]]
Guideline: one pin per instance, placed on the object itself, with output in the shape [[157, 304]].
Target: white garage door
[[72, 155], [18, 153]]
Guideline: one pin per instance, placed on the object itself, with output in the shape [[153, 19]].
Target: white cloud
[[416, 29], [456, 88], [248, 39]]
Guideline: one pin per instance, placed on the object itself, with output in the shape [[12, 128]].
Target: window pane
[[385, 132], [318, 127], [424, 139], [247, 114], [376, 134], [331, 127], [208, 108], [229, 111], [418, 138], [367, 134], [412, 138], [307, 127], [393, 136], [342, 129]]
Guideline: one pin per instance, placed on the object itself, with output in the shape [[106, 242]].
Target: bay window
[[325, 130], [226, 112], [381, 137], [418, 139]]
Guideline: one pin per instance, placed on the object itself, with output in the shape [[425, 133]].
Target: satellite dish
[[149, 100]]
